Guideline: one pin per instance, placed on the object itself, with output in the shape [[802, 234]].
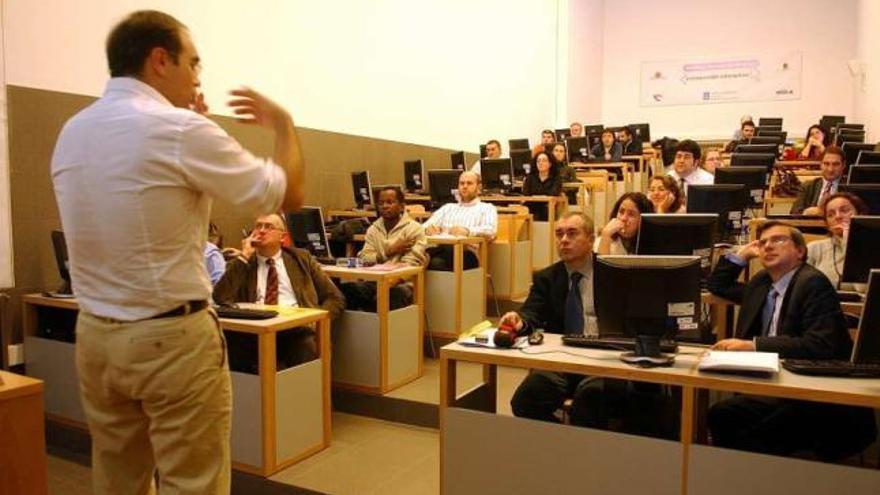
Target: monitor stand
[[647, 353]]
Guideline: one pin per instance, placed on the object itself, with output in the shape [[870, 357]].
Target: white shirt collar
[[132, 85], [261, 260]]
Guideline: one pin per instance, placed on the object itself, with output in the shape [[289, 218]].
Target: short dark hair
[[834, 150], [796, 236], [130, 42], [549, 131], [858, 203], [608, 130], [554, 164], [690, 146], [495, 142], [643, 204], [747, 123], [398, 193]]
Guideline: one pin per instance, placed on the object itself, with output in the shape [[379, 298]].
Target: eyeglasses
[[776, 240], [265, 226]]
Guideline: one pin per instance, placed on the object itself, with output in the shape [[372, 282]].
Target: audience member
[[609, 149], [630, 145], [737, 135], [828, 255], [686, 167], [577, 129], [665, 195], [620, 233], [548, 137], [214, 261], [815, 142], [747, 132], [543, 180], [816, 190], [468, 217], [789, 308], [493, 150], [712, 160]]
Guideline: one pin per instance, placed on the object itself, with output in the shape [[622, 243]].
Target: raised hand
[[252, 107]]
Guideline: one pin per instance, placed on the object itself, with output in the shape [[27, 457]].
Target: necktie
[[271, 283], [682, 185], [574, 306], [826, 190], [767, 314]]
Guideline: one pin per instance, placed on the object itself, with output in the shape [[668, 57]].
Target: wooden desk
[[379, 352], [331, 214], [278, 417], [456, 300], [475, 441], [543, 240], [23, 464]]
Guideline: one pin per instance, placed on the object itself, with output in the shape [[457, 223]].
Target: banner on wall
[[698, 82]]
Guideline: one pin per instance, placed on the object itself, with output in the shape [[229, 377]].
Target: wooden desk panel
[[23, 464]]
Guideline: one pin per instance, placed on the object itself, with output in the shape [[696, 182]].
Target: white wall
[[585, 60], [447, 73], [867, 93], [7, 277], [636, 31]]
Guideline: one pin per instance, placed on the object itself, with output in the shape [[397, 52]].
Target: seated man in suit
[[266, 273], [789, 308], [468, 217], [813, 192], [561, 301], [631, 145], [747, 132], [686, 168], [393, 238]]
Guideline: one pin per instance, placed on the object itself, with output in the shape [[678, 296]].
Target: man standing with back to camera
[[134, 176]]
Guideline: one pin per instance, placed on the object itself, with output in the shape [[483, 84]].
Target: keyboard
[[613, 343], [832, 367], [245, 313]]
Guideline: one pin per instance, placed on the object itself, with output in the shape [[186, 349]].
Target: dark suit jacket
[[634, 147], [312, 288], [809, 196], [545, 306], [811, 323], [598, 151]]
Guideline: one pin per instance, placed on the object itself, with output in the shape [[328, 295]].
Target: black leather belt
[[183, 310]]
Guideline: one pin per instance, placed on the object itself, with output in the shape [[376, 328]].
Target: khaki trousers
[[157, 395]]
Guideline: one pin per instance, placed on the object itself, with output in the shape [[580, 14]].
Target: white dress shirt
[[481, 219], [286, 297], [134, 178], [699, 177]]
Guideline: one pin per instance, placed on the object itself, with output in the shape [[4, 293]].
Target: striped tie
[[271, 283]]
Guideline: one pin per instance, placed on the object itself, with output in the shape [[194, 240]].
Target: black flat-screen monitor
[[869, 193], [830, 122], [483, 152], [306, 227], [850, 126], [59, 246], [770, 121], [755, 180], [518, 144], [864, 174], [862, 254], [414, 175], [766, 160], [562, 134], [728, 201], [443, 186], [521, 160], [594, 137], [641, 132], [765, 135], [867, 157], [757, 148], [457, 160], [866, 348], [496, 174], [849, 136], [360, 186], [683, 234], [577, 149], [851, 151], [647, 297]]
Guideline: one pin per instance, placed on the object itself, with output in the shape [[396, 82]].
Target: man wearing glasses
[[266, 273], [789, 308]]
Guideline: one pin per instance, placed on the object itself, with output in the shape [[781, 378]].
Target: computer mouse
[[536, 338]]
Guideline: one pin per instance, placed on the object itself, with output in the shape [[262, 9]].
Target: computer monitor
[[306, 228], [864, 174], [851, 151], [594, 137], [521, 160], [757, 148], [414, 175], [518, 144], [647, 297], [641, 132], [768, 135], [497, 174], [866, 348], [60, 248], [443, 186], [483, 152], [728, 201], [770, 121], [360, 186], [862, 254], [869, 193], [850, 126], [577, 149], [562, 134], [831, 122], [868, 157], [457, 160], [755, 180], [766, 160], [849, 136], [685, 234]]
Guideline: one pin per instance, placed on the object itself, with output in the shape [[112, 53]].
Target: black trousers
[[771, 425], [292, 347], [442, 258], [361, 296], [604, 403]]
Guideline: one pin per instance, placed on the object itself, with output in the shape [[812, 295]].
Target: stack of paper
[[732, 361], [486, 338]]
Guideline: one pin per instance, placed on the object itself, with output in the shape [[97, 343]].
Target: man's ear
[[157, 61]]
